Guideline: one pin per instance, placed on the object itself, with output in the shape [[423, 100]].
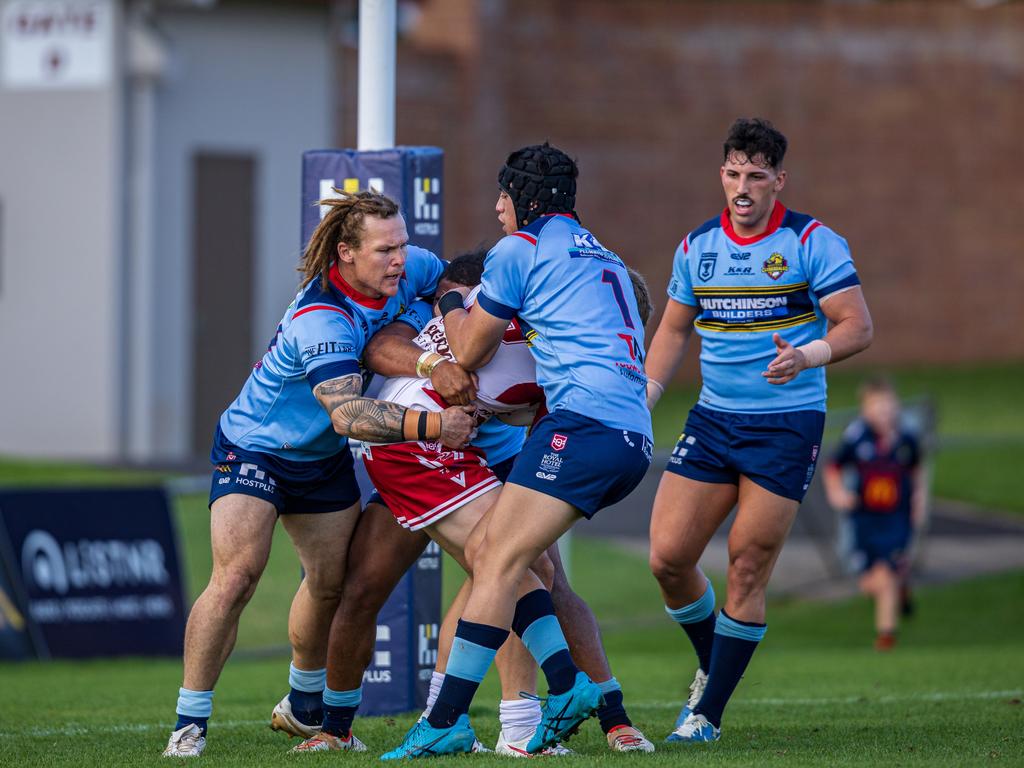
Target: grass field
[[815, 694]]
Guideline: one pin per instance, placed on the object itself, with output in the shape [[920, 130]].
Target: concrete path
[[961, 542]]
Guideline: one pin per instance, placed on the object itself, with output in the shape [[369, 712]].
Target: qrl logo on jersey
[[558, 441]]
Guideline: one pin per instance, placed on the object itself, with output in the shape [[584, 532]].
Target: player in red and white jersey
[[446, 479]]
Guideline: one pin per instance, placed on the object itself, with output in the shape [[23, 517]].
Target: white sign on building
[[56, 43]]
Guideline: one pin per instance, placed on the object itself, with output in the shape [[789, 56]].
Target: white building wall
[[252, 78], [61, 271]]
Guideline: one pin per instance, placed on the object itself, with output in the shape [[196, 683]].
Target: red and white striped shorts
[[423, 482]]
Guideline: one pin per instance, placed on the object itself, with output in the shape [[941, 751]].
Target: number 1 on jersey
[[612, 279]]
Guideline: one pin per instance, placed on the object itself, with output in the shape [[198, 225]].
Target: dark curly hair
[[755, 137], [466, 268]]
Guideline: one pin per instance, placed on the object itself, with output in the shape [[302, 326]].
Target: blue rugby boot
[[562, 713], [696, 730], [423, 740], [700, 682]]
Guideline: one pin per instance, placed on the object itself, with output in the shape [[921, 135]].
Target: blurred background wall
[[901, 119], [149, 221]]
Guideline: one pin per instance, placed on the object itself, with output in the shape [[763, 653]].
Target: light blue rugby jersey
[[748, 288], [575, 302], [499, 441], [321, 337]]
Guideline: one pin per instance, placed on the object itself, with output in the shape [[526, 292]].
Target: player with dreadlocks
[[281, 448]]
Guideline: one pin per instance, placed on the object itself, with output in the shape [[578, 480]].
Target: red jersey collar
[[774, 222], [359, 298]]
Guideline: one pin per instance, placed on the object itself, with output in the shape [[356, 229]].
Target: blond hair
[[342, 224]]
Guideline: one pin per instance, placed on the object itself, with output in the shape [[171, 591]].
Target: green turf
[[815, 694]]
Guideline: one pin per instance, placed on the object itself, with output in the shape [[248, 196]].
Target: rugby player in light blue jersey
[[573, 298], [281, 448], [774, 296]]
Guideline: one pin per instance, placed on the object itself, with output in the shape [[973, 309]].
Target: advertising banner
[[98, 569]]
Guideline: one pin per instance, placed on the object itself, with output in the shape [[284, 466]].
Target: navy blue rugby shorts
[[293, 487], [581, 461], [778, 451]]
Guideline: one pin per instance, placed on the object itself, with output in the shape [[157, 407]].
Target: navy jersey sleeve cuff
[[331, 371], [847, 282], [495, 308]]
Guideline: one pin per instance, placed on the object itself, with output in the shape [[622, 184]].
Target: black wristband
[[421, 426], [451, 300]]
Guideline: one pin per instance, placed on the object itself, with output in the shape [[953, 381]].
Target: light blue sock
[[307, 681], [195, 703], [194, 707]]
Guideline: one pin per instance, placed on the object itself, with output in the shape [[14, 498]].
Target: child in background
[[887, 503]]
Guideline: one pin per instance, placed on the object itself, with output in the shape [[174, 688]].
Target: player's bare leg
[[882, 582], [686, 515], [516, 532], [322, 543], [582, 633], [763, 520], [367, 583], [241, 531]]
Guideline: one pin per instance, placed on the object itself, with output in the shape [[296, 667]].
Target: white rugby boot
[[518, 748], [326, 742], [626, 738], [187, 741], [284, 720]]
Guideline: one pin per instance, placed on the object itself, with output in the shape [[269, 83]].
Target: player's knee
[[365, 592], [544, 568], [665, 570], [325, 585], [233, 586], [748, 573]]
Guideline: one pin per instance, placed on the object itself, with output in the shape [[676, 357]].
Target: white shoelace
[[700, 682]]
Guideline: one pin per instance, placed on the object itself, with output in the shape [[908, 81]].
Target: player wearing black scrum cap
[[538, 180]]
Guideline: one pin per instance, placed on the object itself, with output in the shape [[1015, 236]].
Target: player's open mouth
[[743, 204]]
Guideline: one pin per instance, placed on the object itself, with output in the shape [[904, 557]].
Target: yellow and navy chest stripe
[[740, 308]]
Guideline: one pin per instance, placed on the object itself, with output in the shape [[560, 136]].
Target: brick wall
[[904, 119]]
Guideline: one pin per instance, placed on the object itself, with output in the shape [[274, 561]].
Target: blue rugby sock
[[735, 643], [194, 707], [536, 625], [613, 713], [698, 621], [306, 695], [472, 652], [339, 711]]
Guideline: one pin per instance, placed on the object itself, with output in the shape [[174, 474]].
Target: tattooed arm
[[379, 421]]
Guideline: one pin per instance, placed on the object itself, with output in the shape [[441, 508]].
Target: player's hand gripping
[[457, 425], [787, 363], [454, 384]]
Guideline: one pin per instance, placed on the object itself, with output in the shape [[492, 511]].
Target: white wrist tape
[[816, 353], [655, 389]]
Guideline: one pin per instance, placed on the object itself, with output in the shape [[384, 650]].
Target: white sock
[[436, 678], [519, 718]]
